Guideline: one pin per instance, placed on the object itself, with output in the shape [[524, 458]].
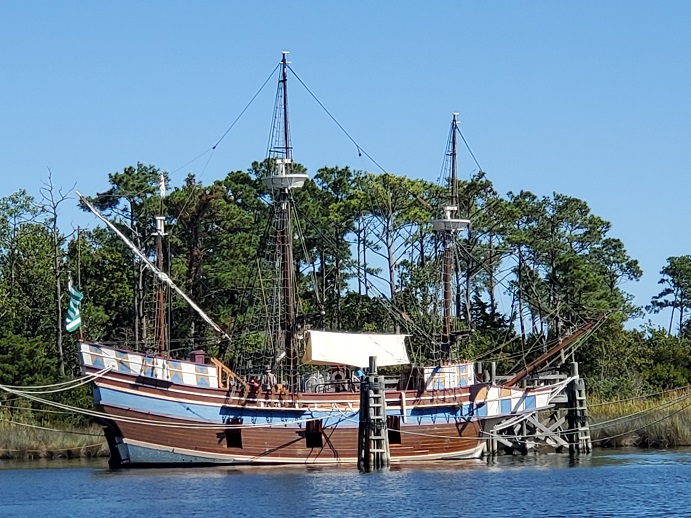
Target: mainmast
[[281, 183], [448, 226]]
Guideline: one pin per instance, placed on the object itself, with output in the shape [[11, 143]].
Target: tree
[[326, 208], [676, 292], [395, 211], [15, 211], [24, 361], [102, 271], [214, 244], [555, 237], [479, 256], [129, 201], [52, 198]]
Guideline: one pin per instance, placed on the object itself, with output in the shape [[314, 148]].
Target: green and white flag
[[73, 320]]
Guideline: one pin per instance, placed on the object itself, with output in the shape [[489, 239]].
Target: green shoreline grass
[[32, 441], [661, 422]]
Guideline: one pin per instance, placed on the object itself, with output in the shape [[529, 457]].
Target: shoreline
[[32, 441]]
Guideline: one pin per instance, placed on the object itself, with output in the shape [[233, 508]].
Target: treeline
[[529, 272]]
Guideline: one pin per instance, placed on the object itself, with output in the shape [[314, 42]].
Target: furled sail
[[329, 348]]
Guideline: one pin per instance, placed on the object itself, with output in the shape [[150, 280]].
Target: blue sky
[[589, 99]]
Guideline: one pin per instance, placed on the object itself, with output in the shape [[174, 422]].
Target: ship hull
[[140, 446], [153, 426], [151, 420]]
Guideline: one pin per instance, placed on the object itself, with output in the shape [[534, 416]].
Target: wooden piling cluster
[[373, 437], [565, 427], [578, 433]]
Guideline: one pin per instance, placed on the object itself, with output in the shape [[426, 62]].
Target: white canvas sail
[[329, 348]]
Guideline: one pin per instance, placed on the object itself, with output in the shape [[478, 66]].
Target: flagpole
[[79, 273]]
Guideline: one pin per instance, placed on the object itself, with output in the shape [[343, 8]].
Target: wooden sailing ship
[[157, 410]]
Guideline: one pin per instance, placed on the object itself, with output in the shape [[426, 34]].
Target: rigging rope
[[635, 398], [68, 385], [361, 151], [668, 416], [45, 428], [642, 412]]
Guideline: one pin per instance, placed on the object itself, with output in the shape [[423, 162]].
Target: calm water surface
[[605, 484]]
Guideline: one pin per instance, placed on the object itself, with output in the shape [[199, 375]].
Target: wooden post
[[491, 445], [578, 435], [373, 435], [522, 443]]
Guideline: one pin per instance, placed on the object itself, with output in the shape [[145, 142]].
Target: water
[[606, 484]]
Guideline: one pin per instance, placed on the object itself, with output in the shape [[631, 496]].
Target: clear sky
[[588, 99]]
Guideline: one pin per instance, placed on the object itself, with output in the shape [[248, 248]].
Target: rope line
[[641, 412], [76, 382], [246, 107], [668, 416], [45, 428], [636, 398], [151, 422], [359, 148]]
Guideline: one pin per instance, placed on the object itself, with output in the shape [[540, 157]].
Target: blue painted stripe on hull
[[219, 414], [266, 416]]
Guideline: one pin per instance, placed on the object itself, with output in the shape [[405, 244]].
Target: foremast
[[448, 226], [281, 182], [160, 292]]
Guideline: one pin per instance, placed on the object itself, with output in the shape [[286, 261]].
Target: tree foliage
[[528, 272]]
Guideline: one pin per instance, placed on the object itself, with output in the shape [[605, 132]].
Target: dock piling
[[373, 435], [578, 435]]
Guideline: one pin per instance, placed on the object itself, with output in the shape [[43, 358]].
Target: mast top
[[283, 179], [449, 221]]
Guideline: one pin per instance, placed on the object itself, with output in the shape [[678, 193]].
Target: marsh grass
[[661, 422], [30, 440]]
